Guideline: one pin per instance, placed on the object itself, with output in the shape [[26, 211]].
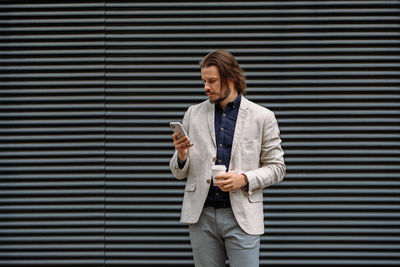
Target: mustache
[[208, 91]]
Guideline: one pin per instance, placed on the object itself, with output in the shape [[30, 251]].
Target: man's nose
[[206, 86]]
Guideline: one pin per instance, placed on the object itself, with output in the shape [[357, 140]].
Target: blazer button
[[208, 181]]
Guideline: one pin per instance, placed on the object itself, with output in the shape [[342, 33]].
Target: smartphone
[[178, 128]]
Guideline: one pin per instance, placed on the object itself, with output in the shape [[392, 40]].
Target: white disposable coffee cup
[[217, 170]]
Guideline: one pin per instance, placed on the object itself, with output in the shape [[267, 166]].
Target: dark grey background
[[87, 89]]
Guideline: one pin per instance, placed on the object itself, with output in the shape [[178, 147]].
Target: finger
[[184, 140], [218, 183], [222, 188], [186, 143], [226, 188], [183, 145], [222, 185], [180, 141], [225, 181], [175, 136], [221, 177]]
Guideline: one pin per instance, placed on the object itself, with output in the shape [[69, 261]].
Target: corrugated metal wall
[[87, 89], [52, 133]]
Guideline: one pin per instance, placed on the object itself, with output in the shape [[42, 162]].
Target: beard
[[224, 93]]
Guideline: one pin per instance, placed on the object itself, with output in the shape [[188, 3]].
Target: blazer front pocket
[[256, 197], [190, 187]]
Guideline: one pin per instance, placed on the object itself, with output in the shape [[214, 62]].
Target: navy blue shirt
[[224, 123]]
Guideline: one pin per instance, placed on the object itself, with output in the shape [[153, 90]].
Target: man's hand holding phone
[[181, 141]]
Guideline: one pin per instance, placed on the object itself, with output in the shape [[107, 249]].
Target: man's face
[[213, 86]]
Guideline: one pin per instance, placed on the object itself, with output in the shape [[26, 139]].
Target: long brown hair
[[228, 69]]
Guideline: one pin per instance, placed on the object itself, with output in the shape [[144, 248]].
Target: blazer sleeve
[[272, 168], [173, 164]]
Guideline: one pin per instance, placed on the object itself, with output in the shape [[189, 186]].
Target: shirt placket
[[221, 140]]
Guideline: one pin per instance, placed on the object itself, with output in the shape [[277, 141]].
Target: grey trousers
[[217, 236]]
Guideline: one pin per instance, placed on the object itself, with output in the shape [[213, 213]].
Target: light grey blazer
[[256, 152]]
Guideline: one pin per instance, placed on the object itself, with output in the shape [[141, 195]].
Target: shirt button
[[223, 115], [208, 181], [220, 145], [217, 194], [222, 129]]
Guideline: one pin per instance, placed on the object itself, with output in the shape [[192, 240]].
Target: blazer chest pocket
[[190, 187], [251, 146], [250, 151]]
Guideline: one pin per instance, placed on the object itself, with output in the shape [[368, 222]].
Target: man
[[226, 220]]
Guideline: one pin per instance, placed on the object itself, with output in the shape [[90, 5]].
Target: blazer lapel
[[211, 114], [240, 122]]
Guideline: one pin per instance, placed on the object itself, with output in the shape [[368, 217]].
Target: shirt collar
[[231, 105]]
